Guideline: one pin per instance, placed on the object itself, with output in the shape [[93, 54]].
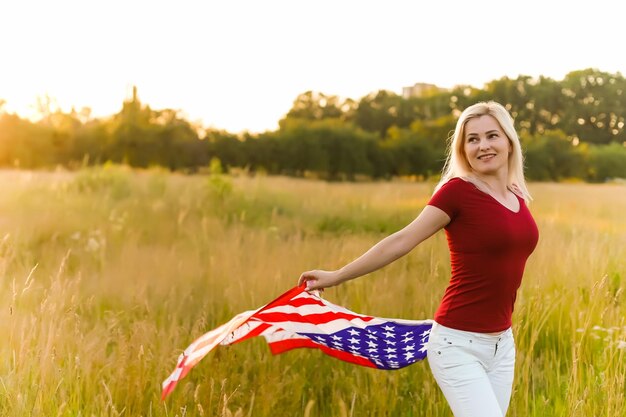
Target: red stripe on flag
[[320, 318], [347, 357], [304, 301], [168, 389], [281, 346], [284, 298]]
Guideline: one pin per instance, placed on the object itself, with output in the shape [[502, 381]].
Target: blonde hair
[[457, 164]]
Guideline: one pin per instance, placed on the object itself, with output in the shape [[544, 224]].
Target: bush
[[607, 162], [110, 179]]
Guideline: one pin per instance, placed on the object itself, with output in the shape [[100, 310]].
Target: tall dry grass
[[108, 274]]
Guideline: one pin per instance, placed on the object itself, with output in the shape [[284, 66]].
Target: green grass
[[107, 274]]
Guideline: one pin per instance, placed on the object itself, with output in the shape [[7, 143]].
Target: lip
[[486, 157]]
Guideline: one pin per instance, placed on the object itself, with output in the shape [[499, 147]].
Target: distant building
[[420, 90]]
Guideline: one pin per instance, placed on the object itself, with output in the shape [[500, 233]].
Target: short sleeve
[[447, 198]]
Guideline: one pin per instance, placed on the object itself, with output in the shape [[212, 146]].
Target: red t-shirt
[[489, 245]]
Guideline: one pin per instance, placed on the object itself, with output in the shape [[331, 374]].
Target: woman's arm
[[394, 246]]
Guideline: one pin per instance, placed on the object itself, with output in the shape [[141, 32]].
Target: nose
[[484, 144]]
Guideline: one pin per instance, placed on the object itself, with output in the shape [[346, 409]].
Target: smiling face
[[486, 146]]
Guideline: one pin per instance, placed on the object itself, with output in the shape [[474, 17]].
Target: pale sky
[[239, 65]]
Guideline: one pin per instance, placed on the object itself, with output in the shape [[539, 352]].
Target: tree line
[[570, 128]]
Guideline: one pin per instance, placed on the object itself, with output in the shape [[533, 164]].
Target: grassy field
[[107, 274]]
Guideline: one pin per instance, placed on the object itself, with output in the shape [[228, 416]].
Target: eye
[[472, 139], [493, 135]]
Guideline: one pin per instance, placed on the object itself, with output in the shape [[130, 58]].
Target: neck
[[495, 183]]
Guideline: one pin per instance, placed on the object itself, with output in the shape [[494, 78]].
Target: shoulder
[[450, 194], [457, 184]]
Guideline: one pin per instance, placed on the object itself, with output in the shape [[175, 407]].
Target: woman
[[481, 203]]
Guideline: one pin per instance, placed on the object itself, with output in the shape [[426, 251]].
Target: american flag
[[299, 318]]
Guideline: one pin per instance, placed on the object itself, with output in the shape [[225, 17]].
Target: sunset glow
[[239, 65]]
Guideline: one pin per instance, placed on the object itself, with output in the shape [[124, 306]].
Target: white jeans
[[473, 370]]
